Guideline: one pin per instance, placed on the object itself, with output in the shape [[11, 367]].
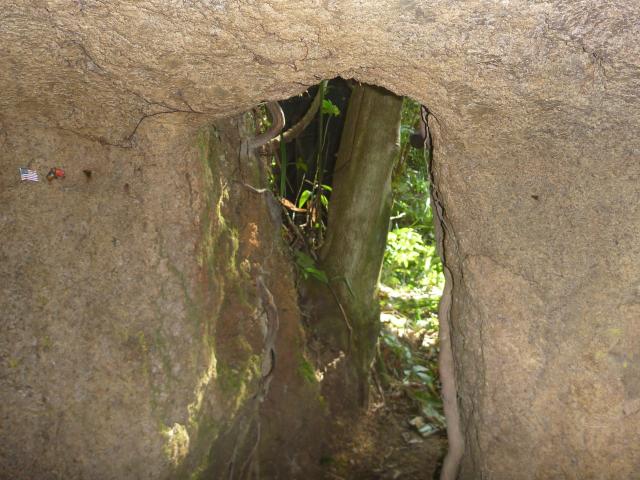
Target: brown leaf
[[288, 204]]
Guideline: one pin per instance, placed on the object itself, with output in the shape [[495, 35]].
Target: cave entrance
[[349, 164]]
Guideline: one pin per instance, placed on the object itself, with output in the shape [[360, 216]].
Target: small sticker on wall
[[54, 173], [28, 175]]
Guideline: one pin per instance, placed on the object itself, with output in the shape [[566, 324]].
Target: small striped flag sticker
[[30, 175]]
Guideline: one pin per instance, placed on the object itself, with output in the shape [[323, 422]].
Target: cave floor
[[384, 446]]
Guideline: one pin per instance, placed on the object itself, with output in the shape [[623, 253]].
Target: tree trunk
[[357, 229]]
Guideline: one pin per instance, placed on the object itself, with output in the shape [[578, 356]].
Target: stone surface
[[130, 318], [536, 159]]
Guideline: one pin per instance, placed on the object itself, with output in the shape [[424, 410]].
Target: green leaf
[[427, 429], [425, 378], [301, 165], [308, 267], [318, 274], [329, 108], [303, 198], [303, 260]]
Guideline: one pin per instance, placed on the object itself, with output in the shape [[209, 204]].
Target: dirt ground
[[382, 445]]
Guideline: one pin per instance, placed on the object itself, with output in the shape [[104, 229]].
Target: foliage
[[308, 196], [329, 108], [311, 194], [411, 284], [407, 359], [307, 267], [411, 278], [410, 263]]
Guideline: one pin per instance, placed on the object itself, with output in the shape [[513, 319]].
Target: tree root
[[277, 124], [453, 458], [250, 467], [298, 128]]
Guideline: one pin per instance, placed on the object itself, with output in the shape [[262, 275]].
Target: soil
[[382, 445]]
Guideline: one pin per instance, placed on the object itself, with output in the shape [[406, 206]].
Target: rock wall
[[132, 326], [111, 287]]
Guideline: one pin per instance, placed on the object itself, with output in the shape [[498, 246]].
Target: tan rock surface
[[536, 159]]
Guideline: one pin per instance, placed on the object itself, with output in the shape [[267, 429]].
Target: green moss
[[214, 197], [195, 408], [229, 380], [234, 245], [323, 403], [219, 242], [139, 343], [306, 370], [143, 349], [326, 461], [615, 332], [162, 348], [188, 446], [234, 381], [176, 443], [46, 343], [208, 431], [198, 472], [142, 342]]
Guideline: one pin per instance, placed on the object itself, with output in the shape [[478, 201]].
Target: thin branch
[[298, 128]]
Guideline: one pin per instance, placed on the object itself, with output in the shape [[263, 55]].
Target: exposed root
[[298, 128], [455, 452], [277, 124], [250, 467], [453, 458]]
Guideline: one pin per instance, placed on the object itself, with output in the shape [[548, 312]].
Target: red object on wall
[[55, 172]]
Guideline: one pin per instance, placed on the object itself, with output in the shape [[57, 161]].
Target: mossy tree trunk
[[357, 231]]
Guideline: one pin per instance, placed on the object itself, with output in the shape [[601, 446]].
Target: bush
[[411, 285]]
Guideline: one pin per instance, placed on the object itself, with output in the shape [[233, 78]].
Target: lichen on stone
[[176, 443]]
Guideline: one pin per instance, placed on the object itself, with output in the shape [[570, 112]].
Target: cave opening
[[349, 165]]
